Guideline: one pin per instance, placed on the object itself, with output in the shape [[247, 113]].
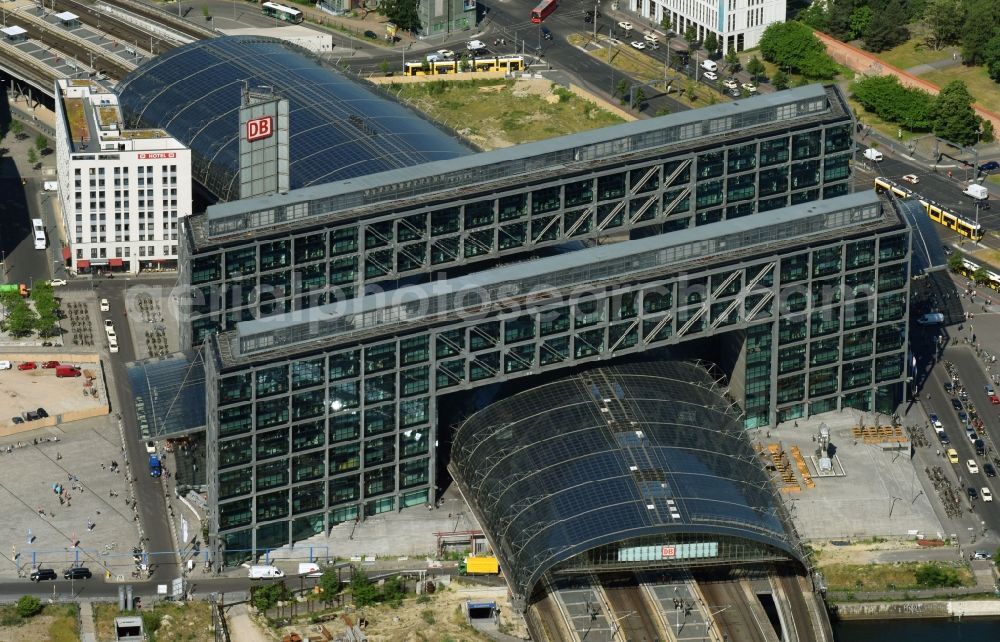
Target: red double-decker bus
[[544, 8]]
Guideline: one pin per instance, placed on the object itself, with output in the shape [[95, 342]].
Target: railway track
[[125, 33], [796, 604], [630, 609], [733, 616], [162, 17]]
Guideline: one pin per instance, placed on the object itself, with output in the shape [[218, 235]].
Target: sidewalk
[[87, 631]]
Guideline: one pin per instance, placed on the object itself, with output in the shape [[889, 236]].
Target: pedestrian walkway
[[87, 631], [935, 65]]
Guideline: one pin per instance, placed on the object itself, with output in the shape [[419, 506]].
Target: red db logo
[[259, 128]]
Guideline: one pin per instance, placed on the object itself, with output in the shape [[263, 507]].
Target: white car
[[987, 495], [475, 45], [710, 75], [627, 26], [911, 178], [446, 54], [749, 86], [651, 39], [730, 83], [109, 325], [972, 466], [638, 45], [57, 282], [150, 447], [105, 307]]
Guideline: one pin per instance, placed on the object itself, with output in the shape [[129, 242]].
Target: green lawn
[[913, 52], [499, 112], [890, 130], [983, 89]]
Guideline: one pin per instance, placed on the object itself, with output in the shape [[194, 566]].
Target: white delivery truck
[[873, 154], [260, 572], [977, 191]]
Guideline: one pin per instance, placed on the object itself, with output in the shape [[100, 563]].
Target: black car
[[78, 573], [42, 414], [973, 493], [980, 446], [40, 574], [546, 33], [989, 166], [956, 404], [29, 415], [734, 92], [17, 420], [943, 437], [963, 416], [989, 470]]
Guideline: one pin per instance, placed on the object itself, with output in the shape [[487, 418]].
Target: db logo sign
[[259, 128], [668, 552]]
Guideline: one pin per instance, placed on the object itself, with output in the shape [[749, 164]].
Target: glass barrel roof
[[610, 455], [339, 128]]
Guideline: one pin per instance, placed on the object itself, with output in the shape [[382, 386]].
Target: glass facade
[[334, 430], [668, 191]]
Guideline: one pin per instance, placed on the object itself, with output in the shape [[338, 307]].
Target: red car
[[994, 400], [50, 364], [27, 365]]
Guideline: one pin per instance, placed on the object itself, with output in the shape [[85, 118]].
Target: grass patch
[[64, 627], [982, 88], [913, 52], [891, 577], [499, 112], [884, 127], [188, 622]]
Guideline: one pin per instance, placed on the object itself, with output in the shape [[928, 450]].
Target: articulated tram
[[937, 212]]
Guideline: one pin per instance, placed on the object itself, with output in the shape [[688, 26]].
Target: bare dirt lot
[[22, 390]]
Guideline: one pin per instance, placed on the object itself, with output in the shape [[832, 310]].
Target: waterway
[[967, 630]]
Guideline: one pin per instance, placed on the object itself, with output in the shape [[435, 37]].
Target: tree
[[991, 57], [638, 98], [982, 21], [17, 129], [732, 60], [756, 68], [838, 18], [955, 262], [944, 20], [265, 597], [885, 97], [363, 592], [32, 155], [814, 15], [691, 89], [691, 35], [792, 45], [402, 13], [780, 80], [954, 118], [622, 90], [668, 25], [29, 606], [711, 42], [885, 30], [329, 582], [41, 143], [988, 134], [980, 275], [393, 590], [861, 17]]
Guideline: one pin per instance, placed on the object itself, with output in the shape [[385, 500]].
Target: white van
[[873, 154], [976, 191], [709, 65], [6, 365], [113, 344], [260, 572]]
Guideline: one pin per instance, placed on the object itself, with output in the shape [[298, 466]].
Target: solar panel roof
[[339, 127]]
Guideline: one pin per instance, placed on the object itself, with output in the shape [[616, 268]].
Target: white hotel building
[[738, 24], [122, 191]]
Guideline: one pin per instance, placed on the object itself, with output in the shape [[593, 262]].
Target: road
[[22, 263]]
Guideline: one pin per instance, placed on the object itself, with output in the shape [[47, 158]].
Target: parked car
[[638, 45], [734, 93], [77, 573], [973, 493], [17, 420], [40, 574], [989, 390], [995, 400], [935, 421], [730, 83], [943, 438], [57, 282], [150, 447], [627, 26], [749, 86], [105, 306], [982, 555], [911, 178], [42, 414], [986, 493], [963, 416], [989, 166], [30, 415], [6, 365], [956, 404], [710, 75], [27, 365], [989, 470], [50, 364], [972, 466]]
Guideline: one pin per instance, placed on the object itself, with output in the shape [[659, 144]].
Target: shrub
[[427, 616], [28, 606]]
